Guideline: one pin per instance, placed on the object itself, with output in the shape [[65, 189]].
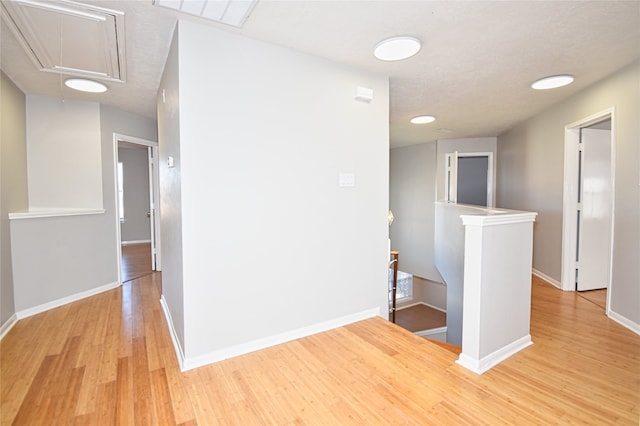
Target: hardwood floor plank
[[161, 398], [106, 403], [136, 261], [143, 404], [33, 398], [125, 398]]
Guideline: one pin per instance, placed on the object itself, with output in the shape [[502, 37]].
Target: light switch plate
[[347, 180]]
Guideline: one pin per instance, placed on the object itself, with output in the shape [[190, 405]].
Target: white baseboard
[[172, 331], [624, 321], [255, 345], [63, 301], [132, 242], [439, 333], [399, 308], [547, 278], [8, 325], [482, 365]]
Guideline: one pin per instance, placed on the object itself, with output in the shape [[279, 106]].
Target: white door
[[594, 207], [452, 177], [154, 220]]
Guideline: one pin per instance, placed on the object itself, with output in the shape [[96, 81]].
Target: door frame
[[570, 197], [453, 169], [154, 181]]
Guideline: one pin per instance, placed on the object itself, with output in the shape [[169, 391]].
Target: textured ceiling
[[473, 72]]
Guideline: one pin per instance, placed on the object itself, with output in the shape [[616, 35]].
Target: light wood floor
[[599, 297], [136, 261], [108, 359]]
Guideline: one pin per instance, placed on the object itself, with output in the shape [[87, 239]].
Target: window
[[120, 192], [404, 287]]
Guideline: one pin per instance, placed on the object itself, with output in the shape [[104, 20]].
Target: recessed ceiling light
[[397, 48], [552, 82], [84, 85], [445, 130], [423, 119]]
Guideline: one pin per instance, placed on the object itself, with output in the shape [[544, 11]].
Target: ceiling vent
[[230, 12], [71, 38]]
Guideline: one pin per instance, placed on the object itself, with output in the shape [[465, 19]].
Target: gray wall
[[86, 244], [530, 177], [135, 165], [13, 181], [264, 224], [412, 193]]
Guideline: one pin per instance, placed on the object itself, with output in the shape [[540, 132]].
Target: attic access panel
[[71, 38]]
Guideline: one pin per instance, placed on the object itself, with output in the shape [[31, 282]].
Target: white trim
[[118, 137], [501, 218], [546, 278], [34, 214], [255, 345], [431, 332], [624, 321], [491, 173], [59, 302], [133, 242], [570, 197], [8, 325], [421, 303], [172, 332], [480, 366]]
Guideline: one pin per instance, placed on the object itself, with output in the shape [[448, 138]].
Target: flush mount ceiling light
[[84, 85], [552, 82], [397, 48], [423, 119]]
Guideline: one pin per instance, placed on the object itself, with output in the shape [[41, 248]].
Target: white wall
[[412, 195], [448, 146], [171, 192], [63, 154], [13, 182], [264, 134], [135, 165], [530, 177]]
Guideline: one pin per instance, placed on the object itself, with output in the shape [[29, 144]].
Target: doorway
[[469, 178], [587, 239], [136, 189]]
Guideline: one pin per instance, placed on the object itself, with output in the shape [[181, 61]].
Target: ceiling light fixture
[[423, 119], [552, 82], [84, 85], [397, 48]]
